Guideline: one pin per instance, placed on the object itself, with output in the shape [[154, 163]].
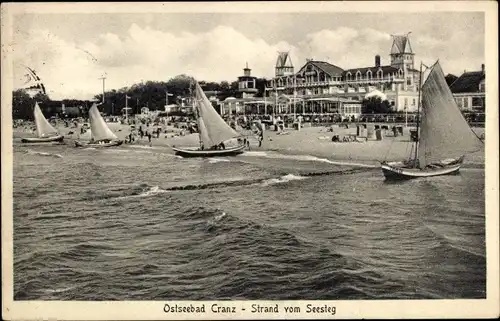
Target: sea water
[[139, 223]]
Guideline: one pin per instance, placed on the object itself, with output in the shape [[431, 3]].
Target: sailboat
[[445, 137], [212, 130], [101, 135], [45, 131]]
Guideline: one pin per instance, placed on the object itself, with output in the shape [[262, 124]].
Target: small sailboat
[[213, 132], [45, 131], [101, 135], [444, 138]]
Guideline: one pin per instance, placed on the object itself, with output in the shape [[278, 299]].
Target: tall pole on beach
[[275, 96], [103, 78], [126, 107], [265, 102], [295, 98], [166, 100], [406, 116]]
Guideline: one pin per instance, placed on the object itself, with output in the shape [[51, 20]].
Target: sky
[[70, 52]]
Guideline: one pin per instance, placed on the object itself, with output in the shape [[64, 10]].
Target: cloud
[[72, 68]]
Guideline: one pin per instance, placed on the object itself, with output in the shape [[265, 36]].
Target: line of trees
[[149, 94]]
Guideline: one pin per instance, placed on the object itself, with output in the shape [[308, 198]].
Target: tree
[[23, 103], [375, 105]]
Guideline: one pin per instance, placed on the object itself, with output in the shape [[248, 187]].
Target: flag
[[33, 83]]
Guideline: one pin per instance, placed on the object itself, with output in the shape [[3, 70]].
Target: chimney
[[377, 61], [482, 68]]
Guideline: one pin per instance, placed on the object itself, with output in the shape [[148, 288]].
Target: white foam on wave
[[308, 158], [145, 147], [32, 152], [152, 191], [155, 190], [113, 151], [254, 153], [282, 179], [218, 160], [220, 217], [89, 148]]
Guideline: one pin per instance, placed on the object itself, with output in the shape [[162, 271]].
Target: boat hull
[[51, 139], [110, 144], [187, 152], [394, 172]]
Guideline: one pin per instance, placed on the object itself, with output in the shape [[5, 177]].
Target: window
[[406, 102], [358, 75], [408, 81], [466, 102], [414, 101], [481, 86], [379, 74], [459, 102]]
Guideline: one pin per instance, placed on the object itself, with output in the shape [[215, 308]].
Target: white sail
[[98, 127], [43, 127], [444, 133], [213, 128], [205, 139]]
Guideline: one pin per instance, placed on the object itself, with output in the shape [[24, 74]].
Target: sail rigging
[[213, 129], [99, 128], [444, 132], [43, 127]]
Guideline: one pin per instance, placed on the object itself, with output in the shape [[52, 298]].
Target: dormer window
[[369, 74], [358, 75], [349, 76], [380, 74]]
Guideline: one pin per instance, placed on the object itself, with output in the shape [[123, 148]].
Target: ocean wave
[[309, 158], [218, 160], [145, 147], [113, 151], [283, 179], [32, 152], [152, 191], [146, 191]]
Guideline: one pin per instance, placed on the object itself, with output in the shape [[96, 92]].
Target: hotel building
[[321, 87]]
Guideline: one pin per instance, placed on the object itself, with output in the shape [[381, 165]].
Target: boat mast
[[418, 114], [196, 111]]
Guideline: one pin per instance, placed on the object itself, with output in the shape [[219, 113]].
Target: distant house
[[469, 90]]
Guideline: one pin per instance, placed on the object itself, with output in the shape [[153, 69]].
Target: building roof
[[450, 79], [364, 70], [468, 82], [328, 68], [284, 60], [401, 44]]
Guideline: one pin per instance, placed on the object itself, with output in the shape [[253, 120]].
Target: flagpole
[[406, 116], [126, 108], [265, 102], [295, 98]]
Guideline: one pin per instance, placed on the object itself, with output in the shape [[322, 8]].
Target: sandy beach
[[314, 141]]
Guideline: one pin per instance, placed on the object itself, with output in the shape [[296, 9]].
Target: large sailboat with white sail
[[46, 133], [444, 136], [100, 134], [214, 132]]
